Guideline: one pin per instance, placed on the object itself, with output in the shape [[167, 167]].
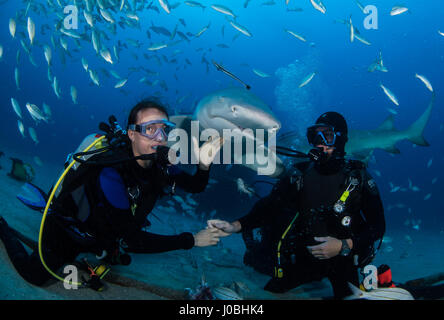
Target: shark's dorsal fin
[[388, 124]]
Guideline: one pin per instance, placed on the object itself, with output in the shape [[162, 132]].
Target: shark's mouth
[[230, 125]]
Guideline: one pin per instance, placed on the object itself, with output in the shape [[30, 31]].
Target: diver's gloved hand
[[329, 248], [207, 152], [225, 227], [207, 237]]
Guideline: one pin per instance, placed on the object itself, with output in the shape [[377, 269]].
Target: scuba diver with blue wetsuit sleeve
[[322, 219], [103, 204]]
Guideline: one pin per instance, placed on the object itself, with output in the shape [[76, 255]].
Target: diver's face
[[142, 144]]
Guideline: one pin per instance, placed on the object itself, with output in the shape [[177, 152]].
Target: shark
[[362, 143], [378, 64], [241, 112]]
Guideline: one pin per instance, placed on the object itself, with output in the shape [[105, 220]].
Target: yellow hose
[[48, 204]]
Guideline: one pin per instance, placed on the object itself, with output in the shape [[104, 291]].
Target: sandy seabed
[[165, 276]]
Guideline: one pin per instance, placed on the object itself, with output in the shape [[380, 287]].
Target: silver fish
[[33, 135], [85, 64], [95, 41], [106, 15], [64, 43], [94, 77], [12, 27], [398, 10], [17, 78], [16, 107], [47, 111], [223, 9], [194, 4], [70, 33], [21, 128], [240, 28], [307, 79], [35, 112], [425, 81], [89, 18], [73, 94], [318, 6], [296, 35], [31, 30], [390, 94], [106, 55], [202, 30], [48, 54], [55, 87], [157, 46], [121, 83], [361, 39], [165, 6], [261, 73]]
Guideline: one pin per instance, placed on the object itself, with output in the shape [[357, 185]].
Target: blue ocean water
[[409, 42]]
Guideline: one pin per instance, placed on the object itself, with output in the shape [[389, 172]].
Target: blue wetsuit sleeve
[[113, 188], [147, 242]]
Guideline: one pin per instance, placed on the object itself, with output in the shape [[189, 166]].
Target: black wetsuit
[[118, 200], [312, 190]]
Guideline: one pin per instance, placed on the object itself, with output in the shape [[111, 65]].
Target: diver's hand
[[225, 227], [207, 152], [329, 248], [207, 237]]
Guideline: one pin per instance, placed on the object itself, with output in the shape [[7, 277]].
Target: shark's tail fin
[[416, 130]]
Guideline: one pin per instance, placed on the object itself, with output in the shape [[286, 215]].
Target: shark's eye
[[233, 109]]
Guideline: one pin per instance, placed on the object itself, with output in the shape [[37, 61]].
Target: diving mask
[[321, 134], [154, 129]]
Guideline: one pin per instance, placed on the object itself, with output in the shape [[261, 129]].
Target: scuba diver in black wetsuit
[[103, 205], [321, 220]]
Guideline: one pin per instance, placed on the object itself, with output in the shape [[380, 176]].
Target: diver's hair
[[149, 103]]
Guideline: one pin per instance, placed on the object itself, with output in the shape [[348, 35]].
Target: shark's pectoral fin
[[419, 140], [262, 160], [392, 149], [287, 138], [363, 156]]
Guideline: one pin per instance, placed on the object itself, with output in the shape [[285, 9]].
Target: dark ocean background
[[410, 43]]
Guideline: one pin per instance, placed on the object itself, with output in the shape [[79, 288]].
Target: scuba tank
[[115, 137]]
